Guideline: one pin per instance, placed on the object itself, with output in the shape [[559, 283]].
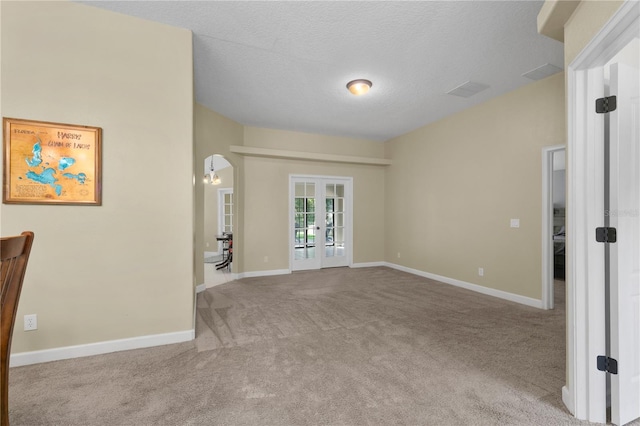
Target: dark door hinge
[[606, 235], [607, 364], [605, 105]]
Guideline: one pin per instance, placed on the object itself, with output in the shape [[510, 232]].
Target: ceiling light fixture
[[359, 87], [211, 177]]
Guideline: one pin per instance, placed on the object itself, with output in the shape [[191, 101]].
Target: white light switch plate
[[515, 223]]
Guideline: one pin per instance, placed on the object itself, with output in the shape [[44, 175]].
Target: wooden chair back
[[14, 253]]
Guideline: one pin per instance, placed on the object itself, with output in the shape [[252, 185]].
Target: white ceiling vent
[[467, 89], [541, 72]]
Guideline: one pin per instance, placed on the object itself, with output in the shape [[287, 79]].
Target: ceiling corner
[[553, 15]]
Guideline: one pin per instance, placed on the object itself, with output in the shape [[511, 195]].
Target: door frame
[[585, 391], [348, 217], [547, 224]]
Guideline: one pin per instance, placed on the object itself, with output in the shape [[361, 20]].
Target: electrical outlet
[[481, 272], [30, 322], [398, 255], [266, 259]]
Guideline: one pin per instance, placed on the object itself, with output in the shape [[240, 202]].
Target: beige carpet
[[343, 346]]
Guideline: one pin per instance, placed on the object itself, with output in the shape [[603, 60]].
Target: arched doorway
[[218, 219]]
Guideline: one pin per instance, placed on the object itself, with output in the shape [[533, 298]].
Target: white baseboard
[[202, 287], [253, 274], [368, 264], [567, 400], [535, 303], [231, 276], [195, 306], [99, 348]]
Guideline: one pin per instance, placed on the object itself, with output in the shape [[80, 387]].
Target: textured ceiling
[[284, 65]]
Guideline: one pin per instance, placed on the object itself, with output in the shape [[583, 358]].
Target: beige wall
[[308, 142], [454, 186], [211, 208], [588, 18], [124, 269], [267, 195], [214, 134], [264, 182]]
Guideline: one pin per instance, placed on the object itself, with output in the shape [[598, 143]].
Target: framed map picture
[[51, 163]]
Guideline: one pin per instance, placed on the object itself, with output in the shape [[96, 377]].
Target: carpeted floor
[[342, 346]]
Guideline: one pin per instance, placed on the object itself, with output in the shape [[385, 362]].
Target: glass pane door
[[225, 214], [305, 226], [319, 222], [334, 221], [227, 217]]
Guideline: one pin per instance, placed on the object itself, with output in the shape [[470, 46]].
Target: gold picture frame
[[51, 163]]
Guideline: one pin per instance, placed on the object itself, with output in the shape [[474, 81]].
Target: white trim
[[566, 398], [547, 224], [535, 303], [585, 391], [200, 288], [368, 264], [211, 285], [612, 37], [195, 307], [585, 260], [309, 156], [99, 348], [349, 219], [253, 274]]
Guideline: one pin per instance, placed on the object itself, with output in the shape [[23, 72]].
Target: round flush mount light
[[359, 87]]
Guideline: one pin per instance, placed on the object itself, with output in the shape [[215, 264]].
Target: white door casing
[[624, 216], [585, 391], [547, 224]]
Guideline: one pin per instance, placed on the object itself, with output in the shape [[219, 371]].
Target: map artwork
[[48, 163]]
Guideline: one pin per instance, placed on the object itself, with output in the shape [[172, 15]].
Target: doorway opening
[[320, 222], [554, 222], [218, 219]]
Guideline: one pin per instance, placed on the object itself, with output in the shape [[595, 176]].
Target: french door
[[320, 222], [225, 213]]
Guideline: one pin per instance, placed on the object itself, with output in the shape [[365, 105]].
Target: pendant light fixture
[[211, 177]]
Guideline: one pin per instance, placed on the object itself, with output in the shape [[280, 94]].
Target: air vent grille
[[468, 89], [541, 72]]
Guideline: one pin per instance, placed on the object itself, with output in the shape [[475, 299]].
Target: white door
[[625, 253], [225, 213], [320, 220]]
